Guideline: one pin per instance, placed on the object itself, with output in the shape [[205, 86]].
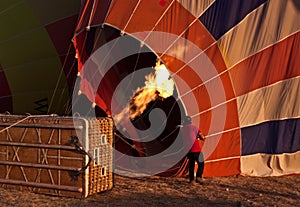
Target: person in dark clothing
[[192, 135]]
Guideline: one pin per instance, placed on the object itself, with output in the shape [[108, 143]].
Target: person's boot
[[200, 180], [192, 182]]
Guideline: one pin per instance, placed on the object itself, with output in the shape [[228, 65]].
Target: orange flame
[[157, 85], [162, 81]]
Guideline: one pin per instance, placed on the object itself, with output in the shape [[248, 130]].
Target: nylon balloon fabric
[[236, 71]]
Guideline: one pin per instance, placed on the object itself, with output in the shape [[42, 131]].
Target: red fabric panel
[[176, 20], [79, 44], [228, 145], [202, 96], [190, 76], [149, 13], [171, 63], [222, 168], [106, 88], [5, 94], [214, 54], [99, 11], [202, 103], [203, 100], [93, 89], [232, 120], [193, 81], [278, 62], [124, 10], [199, 35], [205, 121], [226, 81], [93, 12]]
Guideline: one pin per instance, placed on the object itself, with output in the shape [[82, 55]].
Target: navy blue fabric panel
[[274, 137], [225, 14]]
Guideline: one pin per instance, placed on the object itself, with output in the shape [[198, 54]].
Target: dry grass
[[162, 191]]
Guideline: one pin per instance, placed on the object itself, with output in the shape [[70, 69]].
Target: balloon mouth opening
[[156, 90]]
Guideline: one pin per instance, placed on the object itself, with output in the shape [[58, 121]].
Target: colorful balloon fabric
[[235, 66], [243, 72]]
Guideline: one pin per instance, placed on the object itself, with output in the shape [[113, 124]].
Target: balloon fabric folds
[[236, 60], [37, 58], [233, 66]]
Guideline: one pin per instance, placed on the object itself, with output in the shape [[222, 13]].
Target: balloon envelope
[[235, 65]]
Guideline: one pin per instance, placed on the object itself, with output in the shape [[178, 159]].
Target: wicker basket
[[100, 176], [56, 155]]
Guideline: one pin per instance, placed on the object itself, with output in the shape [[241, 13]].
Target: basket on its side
[[61, 156]]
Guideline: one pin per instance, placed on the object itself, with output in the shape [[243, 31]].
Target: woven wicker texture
[[101, 138], [37, 154]]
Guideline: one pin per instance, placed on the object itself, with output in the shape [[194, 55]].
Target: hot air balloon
[[37, 59], [236, 71]]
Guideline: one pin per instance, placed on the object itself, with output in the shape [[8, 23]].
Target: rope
[[68, 106], [10, 126], [126, 142], [11, 7], [132, 13], [182, 33], [159, 20], [135, 66], [181, 68], [127, 23], [91, 15], [24, 119], [59, 80]]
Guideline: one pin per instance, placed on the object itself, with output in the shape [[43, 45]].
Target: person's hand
[[200, 136]]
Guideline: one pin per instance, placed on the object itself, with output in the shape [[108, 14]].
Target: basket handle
[[75, 141]]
